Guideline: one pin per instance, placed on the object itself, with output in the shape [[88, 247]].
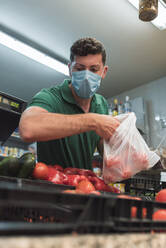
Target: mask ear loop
[[102, 73]]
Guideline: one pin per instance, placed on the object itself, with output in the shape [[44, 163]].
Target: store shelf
[[14, 141]]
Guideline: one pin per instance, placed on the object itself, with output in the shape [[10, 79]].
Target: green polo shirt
[[76, 150]]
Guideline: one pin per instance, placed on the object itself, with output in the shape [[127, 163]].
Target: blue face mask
[[85, 83]]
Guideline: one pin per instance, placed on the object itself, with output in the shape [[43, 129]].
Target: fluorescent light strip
[[32, 53], [160, 20]]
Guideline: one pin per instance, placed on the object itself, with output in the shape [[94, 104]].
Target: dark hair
[[85, 46]]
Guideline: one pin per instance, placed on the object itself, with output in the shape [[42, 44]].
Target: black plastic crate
[[143, 186], [28, 183], [35, 210]]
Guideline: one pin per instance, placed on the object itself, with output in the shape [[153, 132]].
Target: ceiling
[[136, 50]]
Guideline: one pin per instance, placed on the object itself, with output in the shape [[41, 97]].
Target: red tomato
[[69, 191], [141, 160], [129, 197], [73, 180], [112, 161], [159, 215], [95, 192], [71, 171], [85, 172], [40, 171], [134, 212], [58, 167], [78, 191], [51, 172], [134, 209], [100, 185], [57, 177], [85, 186], [126, 173], [161, 196]]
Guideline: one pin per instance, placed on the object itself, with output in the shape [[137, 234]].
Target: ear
[[105, 71], [69, 66]]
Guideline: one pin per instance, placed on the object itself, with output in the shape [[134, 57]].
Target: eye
[[94, 70], [79, 69]]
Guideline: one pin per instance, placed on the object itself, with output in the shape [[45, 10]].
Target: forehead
[[89, 60]]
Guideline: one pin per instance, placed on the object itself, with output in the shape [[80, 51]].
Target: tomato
[[85, 172], [159, 215], [56, 176], [134, 209], [58, 167], [126, 173], [95, 192], [71, 171], [141, 160], [129, 197], [85, 186], [134, 212], [40, 171], [69, 191], [73, 180], [161, 196], [78, 191], [100, 185], [113, 161]]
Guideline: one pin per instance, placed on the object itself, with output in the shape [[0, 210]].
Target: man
[[70, 120]]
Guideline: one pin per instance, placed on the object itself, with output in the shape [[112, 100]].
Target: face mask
[[85, 83]]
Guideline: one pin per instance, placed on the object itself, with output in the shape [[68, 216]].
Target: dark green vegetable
[[9, 166], [27, 164]]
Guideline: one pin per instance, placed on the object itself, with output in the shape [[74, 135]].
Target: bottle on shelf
[[120, 108], [115, 108], [127, 105], [110, 109]]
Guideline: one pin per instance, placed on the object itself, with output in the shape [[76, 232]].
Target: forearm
[[48, 126]]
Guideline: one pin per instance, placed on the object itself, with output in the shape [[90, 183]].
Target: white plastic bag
[[126, 153]]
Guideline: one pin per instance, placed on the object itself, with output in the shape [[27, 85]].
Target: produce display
[[73, 177], [26, 167], [84, 181]]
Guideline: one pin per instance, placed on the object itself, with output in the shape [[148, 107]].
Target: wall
[[154, 95]]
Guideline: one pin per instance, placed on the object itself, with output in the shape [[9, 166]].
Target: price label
[[14, 104], [5, 100]]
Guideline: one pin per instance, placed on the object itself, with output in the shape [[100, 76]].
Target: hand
[[106, 125]]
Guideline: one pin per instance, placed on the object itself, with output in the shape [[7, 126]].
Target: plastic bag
[[126, 153]]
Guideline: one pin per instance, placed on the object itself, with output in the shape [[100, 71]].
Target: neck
[[83, 103]]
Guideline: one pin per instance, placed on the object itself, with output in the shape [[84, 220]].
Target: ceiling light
[[160, 20], [32, 53]]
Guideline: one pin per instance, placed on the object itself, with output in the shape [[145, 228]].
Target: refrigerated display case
[[11, 109]]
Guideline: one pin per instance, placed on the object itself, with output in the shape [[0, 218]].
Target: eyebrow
[[96, 66], [77, 64]]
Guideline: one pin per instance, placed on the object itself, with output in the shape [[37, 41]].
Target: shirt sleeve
[[42, 99]]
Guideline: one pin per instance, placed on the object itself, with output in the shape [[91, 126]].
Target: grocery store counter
[[84, 241]]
